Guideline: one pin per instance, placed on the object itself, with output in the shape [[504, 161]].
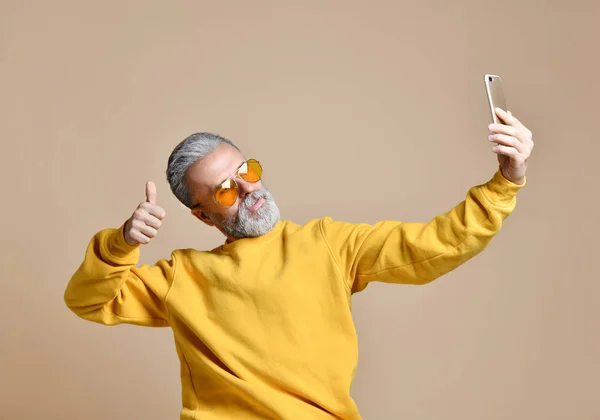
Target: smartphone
[[495, 94]]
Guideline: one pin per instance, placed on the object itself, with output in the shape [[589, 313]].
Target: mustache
[[249, 201]]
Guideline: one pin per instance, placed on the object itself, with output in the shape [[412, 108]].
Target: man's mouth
[[258, 204]]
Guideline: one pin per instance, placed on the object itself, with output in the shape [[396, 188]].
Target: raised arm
[[108, 288], [417, 253]]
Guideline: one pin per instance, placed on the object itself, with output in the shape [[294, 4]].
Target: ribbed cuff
[[501, 191], [118, 248]]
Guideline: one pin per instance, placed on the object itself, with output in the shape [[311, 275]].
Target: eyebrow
[[230, 175]]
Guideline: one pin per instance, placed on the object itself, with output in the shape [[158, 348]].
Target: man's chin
[[252, 224], [244, 233]]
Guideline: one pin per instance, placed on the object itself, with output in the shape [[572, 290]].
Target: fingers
[[150, 204], [511, 134], [146, 220], [151, 192], [503, 139], [512, 128], [143, 228], [138, 237], [508, 117], [147, 217], [150, 215], [503, 129], [510, 152], [153, 210]]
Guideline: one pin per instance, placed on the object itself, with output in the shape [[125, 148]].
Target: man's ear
[[199, 214]]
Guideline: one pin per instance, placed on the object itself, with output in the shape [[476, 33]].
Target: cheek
[[228, 213]]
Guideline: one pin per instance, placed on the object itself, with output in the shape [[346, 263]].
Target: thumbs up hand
[[143, 225]]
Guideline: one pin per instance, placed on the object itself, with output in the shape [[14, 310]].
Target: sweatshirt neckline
[[254, 241]]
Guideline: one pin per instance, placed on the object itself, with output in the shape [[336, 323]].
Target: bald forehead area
[[204, 176]]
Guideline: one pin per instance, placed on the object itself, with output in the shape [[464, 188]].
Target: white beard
[[248, 224]]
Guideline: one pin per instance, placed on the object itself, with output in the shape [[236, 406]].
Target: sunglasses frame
[[237, 188]]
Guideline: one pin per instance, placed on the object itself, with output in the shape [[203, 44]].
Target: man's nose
[[246, 188]]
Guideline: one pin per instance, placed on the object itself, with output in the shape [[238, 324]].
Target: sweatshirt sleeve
[[418, 253], [109, 289]]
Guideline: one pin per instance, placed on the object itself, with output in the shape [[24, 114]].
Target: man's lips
[[257, 205]]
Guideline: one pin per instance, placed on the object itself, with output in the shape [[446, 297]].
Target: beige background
[[360, 111]]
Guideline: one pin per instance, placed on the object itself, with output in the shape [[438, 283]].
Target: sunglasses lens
[[251, 171], [227, 194]]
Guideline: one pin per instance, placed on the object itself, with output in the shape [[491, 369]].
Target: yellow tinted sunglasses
[[227, 193]]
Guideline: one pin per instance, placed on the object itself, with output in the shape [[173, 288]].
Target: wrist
[[514, 180], [517, 181], [115, 248], [124, 233], [124, 237]]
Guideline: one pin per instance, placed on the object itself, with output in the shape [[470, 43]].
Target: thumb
[[151, 192]]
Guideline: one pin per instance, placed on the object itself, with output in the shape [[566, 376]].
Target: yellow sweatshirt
[[263, 326]]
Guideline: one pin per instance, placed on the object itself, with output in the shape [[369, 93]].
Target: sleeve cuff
[[501, 191], [116, 246]]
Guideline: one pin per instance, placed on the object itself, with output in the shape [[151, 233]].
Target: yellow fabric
[[263, 326]]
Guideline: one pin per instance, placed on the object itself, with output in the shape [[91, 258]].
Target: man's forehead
[[215, 167]]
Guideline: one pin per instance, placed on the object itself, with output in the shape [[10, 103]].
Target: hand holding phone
[[512, 140]]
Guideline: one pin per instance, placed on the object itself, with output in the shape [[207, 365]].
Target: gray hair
[[185, 154]]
